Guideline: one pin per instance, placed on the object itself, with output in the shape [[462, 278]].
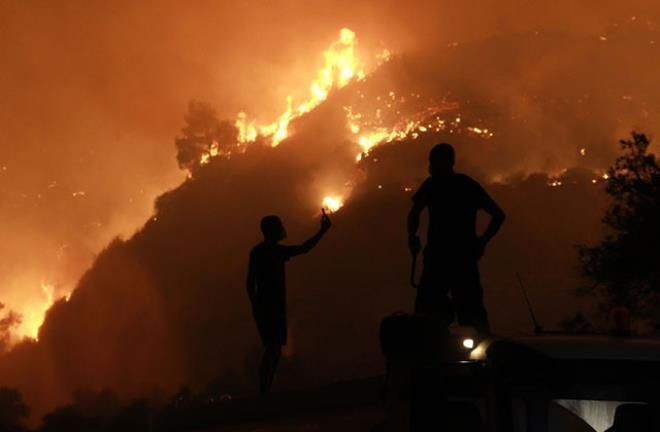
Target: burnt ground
[[346, 406], [364, 418]]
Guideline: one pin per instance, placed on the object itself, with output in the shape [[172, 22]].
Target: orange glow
[[332, 203], [33, 315]]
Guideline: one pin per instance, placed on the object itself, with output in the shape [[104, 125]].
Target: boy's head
[[272, 228], [441, 159]]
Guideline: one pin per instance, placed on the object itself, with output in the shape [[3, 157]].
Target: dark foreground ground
[[341, 420], [344, 407]]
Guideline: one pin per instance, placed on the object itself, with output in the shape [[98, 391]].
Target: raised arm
[[309, 244]]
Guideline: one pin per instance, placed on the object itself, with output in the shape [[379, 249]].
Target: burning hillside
[[387, 105], [371, 117], [167, 307], [532, 93]]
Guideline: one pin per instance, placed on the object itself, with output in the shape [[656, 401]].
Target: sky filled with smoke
[[93, 95]]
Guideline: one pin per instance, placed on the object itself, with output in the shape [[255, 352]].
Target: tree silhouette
[[8, 321], [90, 411], [203, 136], [625, 266]]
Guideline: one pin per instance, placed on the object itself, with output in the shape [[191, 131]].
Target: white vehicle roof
[[582, 347]]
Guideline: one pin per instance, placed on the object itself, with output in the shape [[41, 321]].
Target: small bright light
[[468, 343]]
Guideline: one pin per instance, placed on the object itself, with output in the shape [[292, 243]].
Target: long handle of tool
[[413, 272]]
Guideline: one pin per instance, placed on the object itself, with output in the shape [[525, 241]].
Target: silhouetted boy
[[453, 247], [266, 287]]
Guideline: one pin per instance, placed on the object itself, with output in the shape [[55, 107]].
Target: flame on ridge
[[341, 66], [370, 133], [34, 315]]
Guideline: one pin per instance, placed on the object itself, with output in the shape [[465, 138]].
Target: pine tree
[[625, 266]]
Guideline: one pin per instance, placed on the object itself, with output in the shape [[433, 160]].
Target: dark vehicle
[[543, 383]]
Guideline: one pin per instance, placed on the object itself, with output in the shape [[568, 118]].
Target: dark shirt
[[267, 267], [453, 202]]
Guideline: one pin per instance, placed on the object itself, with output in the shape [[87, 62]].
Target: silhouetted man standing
[[453, 247], [266, 287]]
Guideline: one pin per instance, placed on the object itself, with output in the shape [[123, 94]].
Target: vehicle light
[[468, 343]]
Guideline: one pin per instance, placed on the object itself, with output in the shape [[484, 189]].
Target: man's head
[[441, 159], [272, 228]]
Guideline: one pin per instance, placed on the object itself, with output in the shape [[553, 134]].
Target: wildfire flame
[[332, 203], [34, 315], [388, 122], [370, 133], [341, 66]]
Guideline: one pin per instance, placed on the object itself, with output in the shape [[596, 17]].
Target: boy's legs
[[269, 361], [272, 329]]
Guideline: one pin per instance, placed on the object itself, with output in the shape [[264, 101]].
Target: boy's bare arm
[[309, 244]]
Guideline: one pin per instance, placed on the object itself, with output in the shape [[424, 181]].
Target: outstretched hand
[[326, 223]]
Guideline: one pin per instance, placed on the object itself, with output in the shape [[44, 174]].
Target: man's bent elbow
[[501, 216]]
